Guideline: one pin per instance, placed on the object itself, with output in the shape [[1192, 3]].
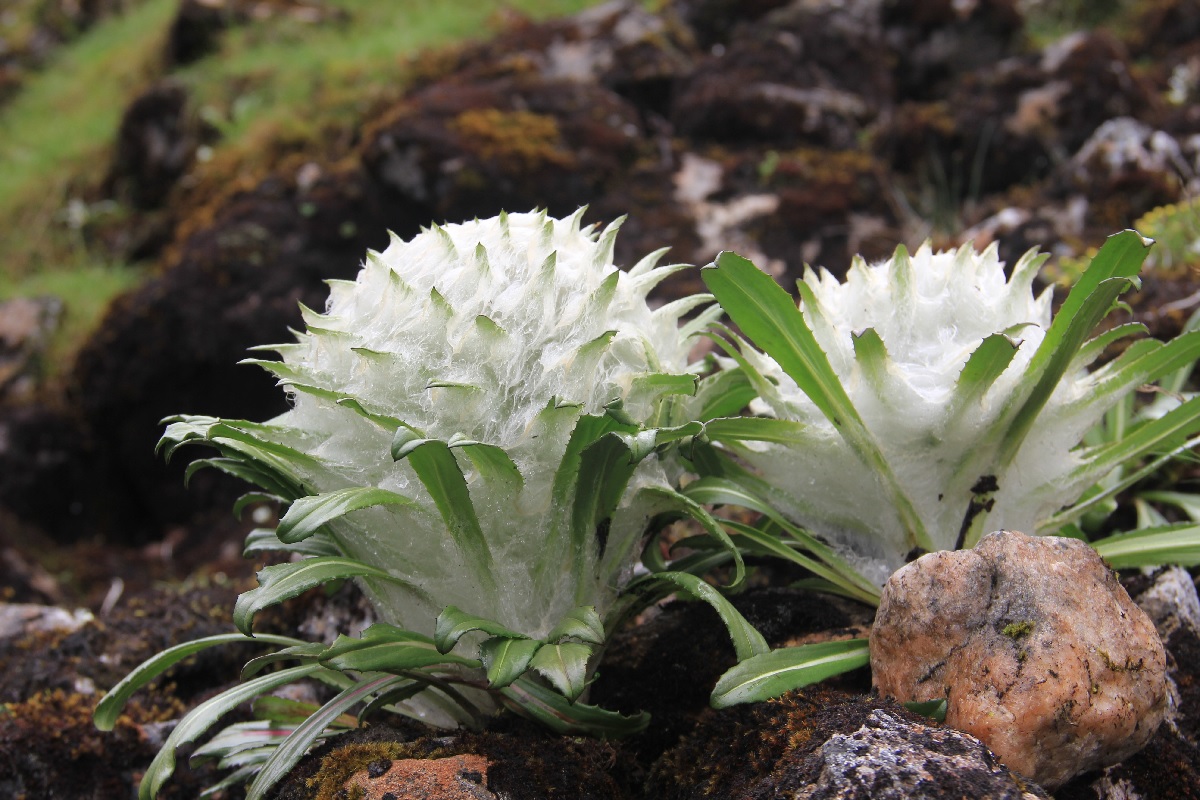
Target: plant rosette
[[481, 433], [926, 401]]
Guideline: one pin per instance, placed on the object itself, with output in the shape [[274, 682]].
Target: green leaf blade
[[293, 748], [453, 623], [768, 675], [280, 582], [1152, 547], [435, 465], [564, 665], [505, 660], [205, 715], [308, 515], [551, 709], [747, 641], [581, 623], [111, 705]]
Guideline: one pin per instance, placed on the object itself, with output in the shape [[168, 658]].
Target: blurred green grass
[[281, 76]]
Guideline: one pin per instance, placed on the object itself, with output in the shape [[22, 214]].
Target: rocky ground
[[791, 132]]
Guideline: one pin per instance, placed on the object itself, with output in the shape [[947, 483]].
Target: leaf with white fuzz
[[308, 515]]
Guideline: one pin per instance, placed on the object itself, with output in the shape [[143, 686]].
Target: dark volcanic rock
[[806, 74], [820, 743], [155, 145], [514, 143], [520, 763]]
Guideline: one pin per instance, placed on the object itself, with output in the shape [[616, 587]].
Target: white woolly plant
[[927, 400], [922, 403], [479, 435]]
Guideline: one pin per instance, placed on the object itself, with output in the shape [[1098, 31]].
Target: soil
[[791, 132]]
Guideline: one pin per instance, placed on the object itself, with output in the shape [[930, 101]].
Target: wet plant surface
[[792, 133]]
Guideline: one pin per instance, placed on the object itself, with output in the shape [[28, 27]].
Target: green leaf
[[934, 709], [234, 778], [771, 674], [307, 514], [1094, 348], [262, 540], [250, 498], [747, 641], [598, 465], [651, 387], [306, 652], [280, 582], [453, 623], [240, 741], [403, 691], [769, 317], [1164, 433], [1152, 547], [734, 491], [872, 356], [247, 471], [379, 633], [493, 463], [848, 584], [757, 429], [439, 472], [581, 623], [283, 710], [983, 367], [382, 420], [244, 438], [1112, 272], [1177, 355], [1186, 502], [394, 657], [724, 394], [111, 705], [293, 748], [205, 715], [555, 712], [588, 428], [564, 665], [685, 504], [507, 659], [1100, 499]]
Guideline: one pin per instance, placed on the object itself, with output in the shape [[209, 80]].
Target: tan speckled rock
[[1036, 647], [461, 777]]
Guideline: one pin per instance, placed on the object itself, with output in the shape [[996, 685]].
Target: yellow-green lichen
[[521, 138], [1015, 630]]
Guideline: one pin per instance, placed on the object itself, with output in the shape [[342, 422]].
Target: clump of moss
[[337, 767], [1015, 630], [51, 748], [521, 138]]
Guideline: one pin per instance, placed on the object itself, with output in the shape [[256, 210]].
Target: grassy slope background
[[278, 78]]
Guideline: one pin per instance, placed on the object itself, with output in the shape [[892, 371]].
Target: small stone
[[420, 778], [22, 619], [1035, 646], [890, 758]]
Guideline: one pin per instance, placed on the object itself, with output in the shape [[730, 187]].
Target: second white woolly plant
[[480, 435], [930, 399]]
